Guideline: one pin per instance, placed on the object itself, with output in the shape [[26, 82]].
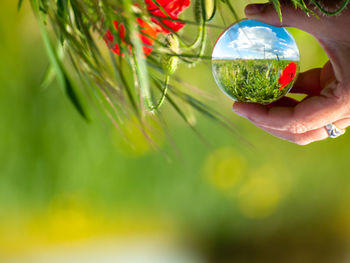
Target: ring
[[333, 131]]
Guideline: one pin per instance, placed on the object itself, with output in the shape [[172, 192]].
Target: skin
[[327, 88]]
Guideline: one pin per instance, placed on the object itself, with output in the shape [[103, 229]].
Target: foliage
[[65, 183], [122, 85], [129, 81], [306, 8]]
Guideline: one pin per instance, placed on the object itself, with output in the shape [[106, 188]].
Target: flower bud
[[170, 62], [198, 11], [210, 8]]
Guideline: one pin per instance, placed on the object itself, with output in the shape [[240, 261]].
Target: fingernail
[[254, 9], [331, 84], [329, 88]]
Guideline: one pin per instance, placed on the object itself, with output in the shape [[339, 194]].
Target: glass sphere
[[255, 62]]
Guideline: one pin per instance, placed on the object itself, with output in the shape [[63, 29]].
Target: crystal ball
[[255, 62]]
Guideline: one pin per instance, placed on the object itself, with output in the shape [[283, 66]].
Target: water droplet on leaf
[[255, 62]]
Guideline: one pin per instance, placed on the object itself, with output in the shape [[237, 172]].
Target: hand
[[327, 89]]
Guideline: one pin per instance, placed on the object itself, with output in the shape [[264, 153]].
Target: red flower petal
[[149, 33], [147, 36], [172, 8], [116, 49], [287, 75]]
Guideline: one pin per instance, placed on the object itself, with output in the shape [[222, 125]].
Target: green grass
[[251, 80]]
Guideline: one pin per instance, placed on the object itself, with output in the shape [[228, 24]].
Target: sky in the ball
[[255, 40]]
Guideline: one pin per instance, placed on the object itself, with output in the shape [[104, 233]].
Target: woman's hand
[[327, 89]]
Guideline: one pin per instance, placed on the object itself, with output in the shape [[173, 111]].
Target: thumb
[[329, 31], [292, 17]]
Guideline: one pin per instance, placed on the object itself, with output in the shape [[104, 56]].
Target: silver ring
[[333, 131]]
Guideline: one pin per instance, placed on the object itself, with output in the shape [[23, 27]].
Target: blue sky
[[250, 39]]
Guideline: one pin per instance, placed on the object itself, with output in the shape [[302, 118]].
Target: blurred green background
[[73, 188]]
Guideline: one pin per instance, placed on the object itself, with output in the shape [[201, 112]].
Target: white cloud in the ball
[[263, 41]]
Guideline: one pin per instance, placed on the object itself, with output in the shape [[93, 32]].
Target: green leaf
[[277, 6], [333, 13], [210, 9], [62, 77], [138, 56], [72, 95], [232, 10], [50, 74], [20, 2]]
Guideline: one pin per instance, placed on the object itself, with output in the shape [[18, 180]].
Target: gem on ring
[[333, 131]]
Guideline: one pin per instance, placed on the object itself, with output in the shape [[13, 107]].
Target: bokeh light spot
[[224, 168], [135, 140], [260, 194]]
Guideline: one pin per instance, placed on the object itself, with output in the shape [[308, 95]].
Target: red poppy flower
[[147, 36], [109, 38], [287, 75], [149, 32], [173, 8]]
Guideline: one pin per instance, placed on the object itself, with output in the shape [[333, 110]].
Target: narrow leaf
[[19, 5], [72, 95], [57, 65]]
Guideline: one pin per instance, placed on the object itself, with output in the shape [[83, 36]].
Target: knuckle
[[340, 98], [337, 93], [297, 127]]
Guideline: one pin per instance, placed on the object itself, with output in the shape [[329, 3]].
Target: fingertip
[[237, 108], [249, 110], [236, 105], [254, 9], [292, 17]]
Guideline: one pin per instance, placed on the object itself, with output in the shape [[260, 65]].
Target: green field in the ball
[[251, 80]]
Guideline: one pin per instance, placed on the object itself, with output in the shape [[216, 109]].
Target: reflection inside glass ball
[[255, 62]]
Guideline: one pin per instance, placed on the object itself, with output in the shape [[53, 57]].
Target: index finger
[[328, 30], [310, 114], [291, 17]]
